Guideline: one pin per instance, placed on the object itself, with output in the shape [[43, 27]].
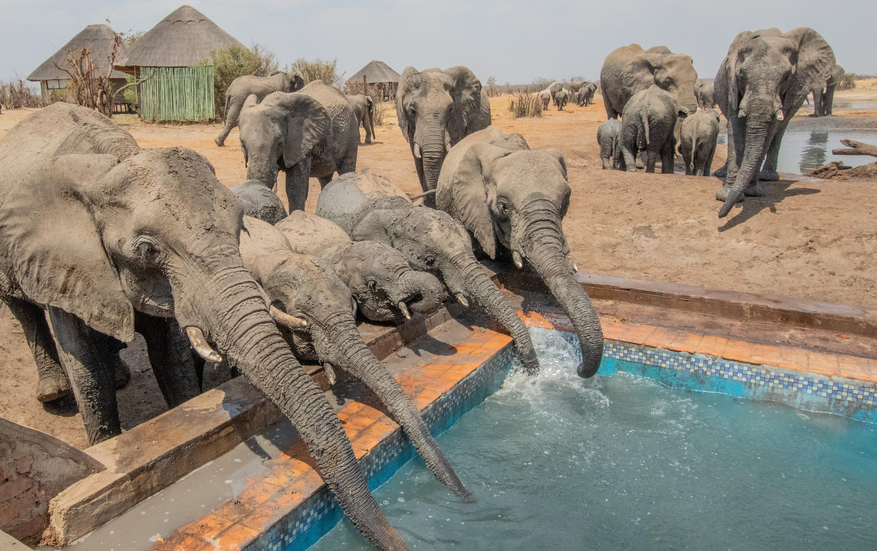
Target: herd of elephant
[[582, 93], [102, 239], [759, 87]]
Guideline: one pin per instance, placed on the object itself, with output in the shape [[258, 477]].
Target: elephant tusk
[[447, 141], [575, 267], [404, 309], [199, 343], [516, 258], [417, 154], [330, 373], [462, 300], [285, 319], [780, 115]]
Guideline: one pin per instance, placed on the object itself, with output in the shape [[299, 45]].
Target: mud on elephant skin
[[759, 87], [369, 207], [150, 232], [244, 86], [647, 125], [507, 195], [436, 109], [307, 288], [307, 134], [383, 283], [630, 69], [260, 202]]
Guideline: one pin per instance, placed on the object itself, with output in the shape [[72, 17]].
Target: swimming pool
[[623, 462]]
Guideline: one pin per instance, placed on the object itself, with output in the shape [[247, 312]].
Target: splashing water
[[621, 462]]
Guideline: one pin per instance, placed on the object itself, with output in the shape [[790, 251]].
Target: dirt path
[[808, 239]]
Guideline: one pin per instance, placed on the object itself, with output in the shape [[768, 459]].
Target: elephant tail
[[693, 147], [227, 102], [644, 135]]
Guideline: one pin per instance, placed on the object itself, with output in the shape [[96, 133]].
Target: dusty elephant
[[243, 87], [308, 134], [369, 207], [154, 233], [608, 137], [383, 283], [308, 289], [698, 137], [647, 125], [437, 109], [260, 202], [505, 193], [364, 109], [761, 84], [586, 94], [705, 92], [631, 69]]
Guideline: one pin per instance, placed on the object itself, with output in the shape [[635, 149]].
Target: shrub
[[848, 82], [525, 105], [17, 93], [234, 62], [492, 89], [327, 71]]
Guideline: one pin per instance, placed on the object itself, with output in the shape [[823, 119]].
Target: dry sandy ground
[[808, 239]]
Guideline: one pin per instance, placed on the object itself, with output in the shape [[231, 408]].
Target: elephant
[[545, 97], [586, 94], [260, 202], [437, 109], [309, 134], [364, 109], [369, 207], [137, 235], [608, 136], [243, 87], [698, 137], [705, 92], [560, 99], [383, 283], [760, 85], [647, 124], [823, 96], [630, 69], [504, 193], [324, 329]]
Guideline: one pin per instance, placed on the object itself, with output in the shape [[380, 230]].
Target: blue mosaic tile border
[[319, 514]]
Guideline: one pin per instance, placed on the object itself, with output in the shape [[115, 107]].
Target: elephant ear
[[251, 101], [298, 81], [467, 95], [307, 123], [557, 156], [726, 79], [375, 226], [468, 191], [408, 82], [64, 264], [814, 65]]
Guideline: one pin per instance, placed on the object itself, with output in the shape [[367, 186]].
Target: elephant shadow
[[775, 193]]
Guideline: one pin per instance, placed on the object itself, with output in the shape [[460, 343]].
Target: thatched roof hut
[[99, 40], [380, 74], [184, 38]]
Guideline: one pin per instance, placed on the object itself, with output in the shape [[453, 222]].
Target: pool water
[[622, 462]]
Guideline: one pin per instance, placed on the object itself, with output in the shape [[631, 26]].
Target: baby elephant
[[608, 136], [561, 98], [647, 124], [698, 136], [260, 202], [545, 97]]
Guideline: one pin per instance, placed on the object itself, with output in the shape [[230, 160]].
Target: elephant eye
[[372, 285], [147, 250], [503, 208], [430, 260]]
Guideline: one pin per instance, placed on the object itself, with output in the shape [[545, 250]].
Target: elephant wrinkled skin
[[503, 192], [150, 232], [243, 87]]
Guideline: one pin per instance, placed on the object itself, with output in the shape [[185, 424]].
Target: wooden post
[[365, 85]]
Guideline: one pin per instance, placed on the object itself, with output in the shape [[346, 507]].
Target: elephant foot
[[754, 190], [122, 372], [722, 172], [219, 142], [768, 176], [53, 386], [368, 141], [722, 194], [639, 164]]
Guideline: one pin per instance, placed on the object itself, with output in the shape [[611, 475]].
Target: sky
[[516, 41]]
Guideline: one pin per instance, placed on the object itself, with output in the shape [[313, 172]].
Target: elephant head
[[502, 191], [292, 80], [437, 109], [280, 132], [760, 85], [157, 232], [308, 289]]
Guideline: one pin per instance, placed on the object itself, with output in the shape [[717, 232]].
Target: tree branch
[[858, 148]]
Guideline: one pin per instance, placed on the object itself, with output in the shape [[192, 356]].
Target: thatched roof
[[376, 72], [184, 38], [98, 39]]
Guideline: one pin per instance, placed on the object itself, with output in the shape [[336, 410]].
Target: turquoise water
[[622, 462]]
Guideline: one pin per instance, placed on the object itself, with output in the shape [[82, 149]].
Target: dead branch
[[858, 148], [135, 83]]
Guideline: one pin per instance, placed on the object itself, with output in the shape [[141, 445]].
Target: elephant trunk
[[421, 291], [755, 147], [262, 169], [239, 323], [351, 353], [433, 146], [543, 247], [465, 274]]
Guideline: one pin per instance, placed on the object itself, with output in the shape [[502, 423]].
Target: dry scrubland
[[807, 239]]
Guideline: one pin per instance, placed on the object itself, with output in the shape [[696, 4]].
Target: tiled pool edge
[[317, 515]]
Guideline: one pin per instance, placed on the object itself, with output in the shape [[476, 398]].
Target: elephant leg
[[53, 383], [170, 358], [817, 102], [668, 159], [736, 134], [708, 164], [84, 354], [769, 170], [369, 128], [121, 370], [231, 120], [651, 159], [828, 101], [629, 159], [642, 159], [348, 162], [297, 184], [324, 181]]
